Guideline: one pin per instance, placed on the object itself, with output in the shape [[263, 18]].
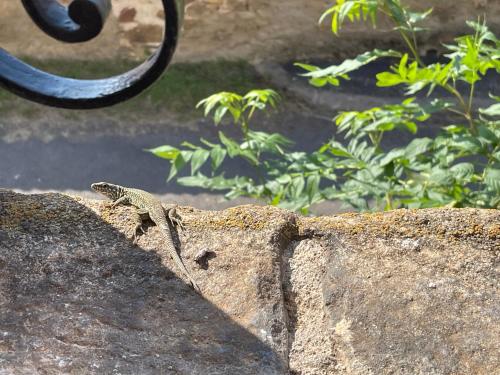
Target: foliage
[[241, 108], [459, 168]]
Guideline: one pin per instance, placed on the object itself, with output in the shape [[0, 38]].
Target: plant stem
[[471, 96], [466, 107], [456, 112], [244, 128], [413, 48], [388, 201]]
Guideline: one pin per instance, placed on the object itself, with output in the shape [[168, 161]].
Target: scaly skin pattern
[[146, 202]]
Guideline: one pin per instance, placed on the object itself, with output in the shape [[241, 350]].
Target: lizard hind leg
[[142, 215], [174, 217]]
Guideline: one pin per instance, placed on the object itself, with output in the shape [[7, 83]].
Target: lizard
[[148, 206]]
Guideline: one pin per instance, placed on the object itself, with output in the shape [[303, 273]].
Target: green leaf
[[222, 102], [391, 156], [397, 11], [441, 177], [496, 156], [387, 79], [418, 147], [349, 65], [178, 163], [189, 145], [165, 152], [307, 67], [492, 178], [437, 199], [199, 158], [455, 129], [207, 143], [463, 171], [338, 150], [263, 141], [491, 111], [402, 69], [284, 179], [193, 181], [488, 135], [233, 148], [274, 187], [411, 126], [217, 154], [250, 156], [260, 98], [415, 17], [467, 144], [312, 186], [320, 82], [334, 22], [351, 10], [219, 114], [296, 187]]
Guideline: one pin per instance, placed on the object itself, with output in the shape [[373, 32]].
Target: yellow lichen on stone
[[494, 231], [248, 217], [30, 210], [14, 214], [408, 223]]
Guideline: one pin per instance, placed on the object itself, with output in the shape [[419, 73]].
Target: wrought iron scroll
[[81, 21]]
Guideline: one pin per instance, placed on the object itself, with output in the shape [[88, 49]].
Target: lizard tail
[[178, 261]]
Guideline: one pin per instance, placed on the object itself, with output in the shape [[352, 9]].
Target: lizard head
[[111, 191]]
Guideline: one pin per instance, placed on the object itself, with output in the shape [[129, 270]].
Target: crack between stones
[[290, 236]]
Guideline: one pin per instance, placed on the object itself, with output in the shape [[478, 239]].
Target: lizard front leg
[[122, 200]]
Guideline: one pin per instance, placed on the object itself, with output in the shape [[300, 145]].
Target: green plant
[[459, 168], [255, 147]]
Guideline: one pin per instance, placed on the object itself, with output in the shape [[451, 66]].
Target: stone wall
[[401, 292], [236, 29]]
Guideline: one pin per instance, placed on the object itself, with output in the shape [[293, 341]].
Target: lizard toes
[[177, 222]]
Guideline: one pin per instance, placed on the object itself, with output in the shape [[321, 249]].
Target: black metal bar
[[49, 89], [81, 21]]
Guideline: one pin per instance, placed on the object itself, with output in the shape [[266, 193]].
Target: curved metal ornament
[[82, 20]]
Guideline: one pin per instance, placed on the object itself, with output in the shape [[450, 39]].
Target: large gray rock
[[405, 292]]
